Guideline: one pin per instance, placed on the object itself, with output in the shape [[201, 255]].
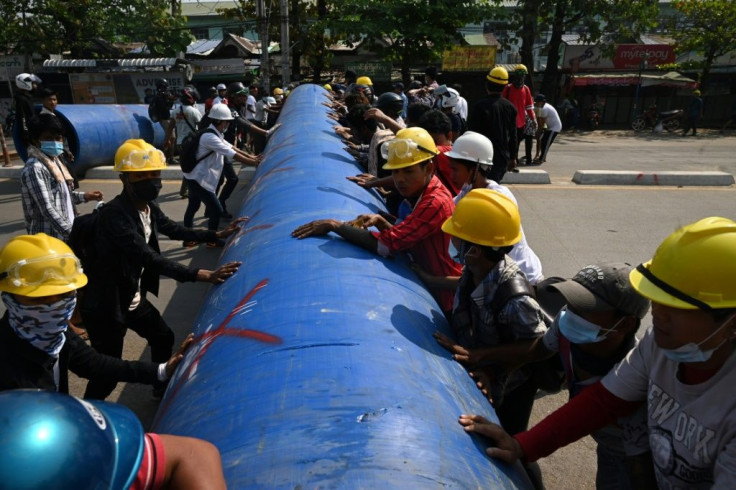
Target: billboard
[[625, 57], [378, 71], [469, 58]]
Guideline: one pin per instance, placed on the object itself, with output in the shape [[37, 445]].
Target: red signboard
[[630, 56]]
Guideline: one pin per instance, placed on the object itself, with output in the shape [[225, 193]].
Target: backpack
[[83, 236], [189, 147], [549, 375]]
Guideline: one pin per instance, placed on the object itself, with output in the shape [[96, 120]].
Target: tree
[[408, 32], [706, 27], [58, 26], [308, 28], [617, 20]]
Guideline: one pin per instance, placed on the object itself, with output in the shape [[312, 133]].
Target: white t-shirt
[[522, 253], [181, 115], [692, 428], [462, 108], [261, 114], [207, 172], [250, 107], [552, 119]]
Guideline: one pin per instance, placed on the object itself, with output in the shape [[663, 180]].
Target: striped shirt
[[44, 201], [419, 232]]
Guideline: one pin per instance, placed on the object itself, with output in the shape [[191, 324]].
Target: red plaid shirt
[[420, 234]]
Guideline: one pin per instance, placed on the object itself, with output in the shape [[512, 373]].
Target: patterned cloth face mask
[[43, 325]]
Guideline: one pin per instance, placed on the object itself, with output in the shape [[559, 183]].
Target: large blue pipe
[[315, 366], [95, 131]]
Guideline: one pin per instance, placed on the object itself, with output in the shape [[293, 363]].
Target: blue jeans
[[198, 195]]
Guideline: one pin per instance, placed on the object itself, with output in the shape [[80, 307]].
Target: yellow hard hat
[[411, 146], [696, 92], [327, 86], [485, 217], [39, 265], [278, 91], [498, 75], [364, 80], [138, 156], [693, 268], [521, 67]]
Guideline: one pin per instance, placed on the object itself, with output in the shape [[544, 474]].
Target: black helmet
[[189, 95], [162, 84], [236, 88], [390, 102]]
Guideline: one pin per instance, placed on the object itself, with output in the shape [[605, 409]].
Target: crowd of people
[[659, 408], [95, 271]]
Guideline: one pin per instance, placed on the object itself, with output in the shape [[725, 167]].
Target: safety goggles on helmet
[[138, 159], [36, 271], [402, 148]]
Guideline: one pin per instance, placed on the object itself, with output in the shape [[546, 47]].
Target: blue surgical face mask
[[691, 352], [459, 255], [52, 148], [579, 330]]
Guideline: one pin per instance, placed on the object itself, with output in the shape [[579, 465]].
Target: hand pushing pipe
[[315, 366]]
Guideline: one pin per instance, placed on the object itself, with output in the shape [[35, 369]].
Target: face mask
[[579, 330], [691, 352], [459, 255], [52, 148], [146, 190], [43, 326]]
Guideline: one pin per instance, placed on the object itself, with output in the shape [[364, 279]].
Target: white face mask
[[691, 352]]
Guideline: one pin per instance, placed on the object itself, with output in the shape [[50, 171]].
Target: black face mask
[[146, 190]]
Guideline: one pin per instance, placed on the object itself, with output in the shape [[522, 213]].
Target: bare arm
[[192, 464]]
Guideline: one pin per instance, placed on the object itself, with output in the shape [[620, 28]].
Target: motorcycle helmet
[[162, 84], [390, 102], [52, 440], [25, 81], [236, 88]]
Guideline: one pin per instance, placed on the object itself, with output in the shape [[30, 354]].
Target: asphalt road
[[567, 225]]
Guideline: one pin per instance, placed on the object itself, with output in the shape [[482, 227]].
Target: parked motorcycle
[[593, 117], [651, 118]]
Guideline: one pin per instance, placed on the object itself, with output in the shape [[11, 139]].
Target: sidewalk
[[599, 158]]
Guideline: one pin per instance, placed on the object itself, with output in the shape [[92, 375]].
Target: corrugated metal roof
[[203, 46], [487, 39], [126, 62]]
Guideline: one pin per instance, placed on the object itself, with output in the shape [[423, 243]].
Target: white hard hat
[[221, 112], [472, 147], [221, 86], [270, 100]]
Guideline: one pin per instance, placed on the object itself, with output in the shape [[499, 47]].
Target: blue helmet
[[51, 440]]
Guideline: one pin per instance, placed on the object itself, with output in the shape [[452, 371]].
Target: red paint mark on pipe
[[204, 341]]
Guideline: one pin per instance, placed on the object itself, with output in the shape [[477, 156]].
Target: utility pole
[[263, 19], [285, 43]]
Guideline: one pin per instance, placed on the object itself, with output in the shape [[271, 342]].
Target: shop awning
[[671, 79]]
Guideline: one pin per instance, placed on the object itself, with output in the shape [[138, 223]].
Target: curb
[[625, 177], [526, 176]]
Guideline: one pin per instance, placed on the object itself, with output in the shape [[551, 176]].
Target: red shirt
[[443, 169], [522, 100], [420, 234], [153, 466]]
